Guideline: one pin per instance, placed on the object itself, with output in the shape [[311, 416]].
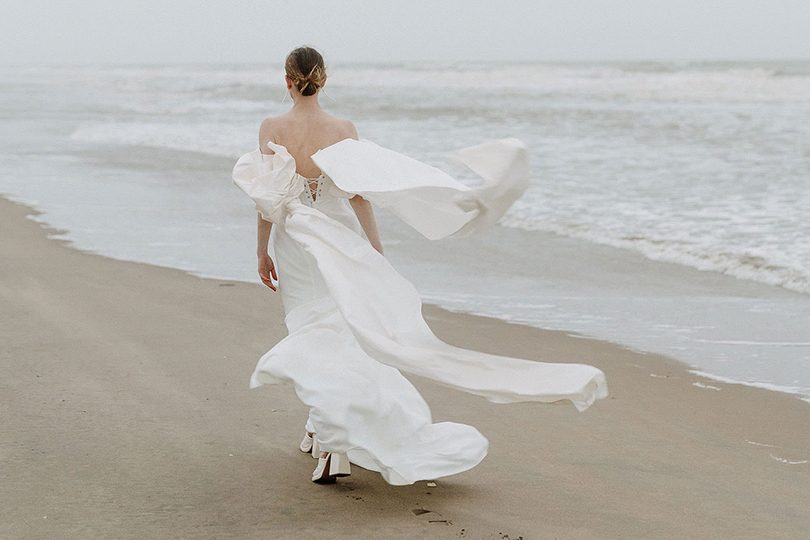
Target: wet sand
[[126, 413]]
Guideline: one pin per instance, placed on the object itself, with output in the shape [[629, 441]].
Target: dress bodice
[[319, 190], [322, 194]]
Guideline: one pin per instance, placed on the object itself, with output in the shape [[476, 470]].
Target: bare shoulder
[[341, 128], [269, 127], [348, 129]]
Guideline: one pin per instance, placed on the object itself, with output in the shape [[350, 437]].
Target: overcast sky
[[154, 31]]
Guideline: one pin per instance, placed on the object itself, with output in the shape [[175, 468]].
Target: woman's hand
[[267, 270]]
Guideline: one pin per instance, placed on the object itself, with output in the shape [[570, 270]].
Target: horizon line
[[418, 61]]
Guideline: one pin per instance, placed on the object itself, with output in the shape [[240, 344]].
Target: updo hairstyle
[[305, 68]]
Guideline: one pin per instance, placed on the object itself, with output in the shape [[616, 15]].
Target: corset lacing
[[314, 188]]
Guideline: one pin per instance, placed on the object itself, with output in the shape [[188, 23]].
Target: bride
[[354, 323]]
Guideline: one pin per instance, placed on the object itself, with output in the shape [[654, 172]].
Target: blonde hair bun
[[305, 68]]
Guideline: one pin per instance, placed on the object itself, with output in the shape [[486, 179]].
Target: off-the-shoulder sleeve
[[269, 180], [425, 197]]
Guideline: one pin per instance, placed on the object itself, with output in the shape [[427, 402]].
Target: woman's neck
[[306, 103]]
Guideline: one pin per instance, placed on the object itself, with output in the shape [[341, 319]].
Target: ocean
[[668, 209]]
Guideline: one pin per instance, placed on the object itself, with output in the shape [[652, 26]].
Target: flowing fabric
[[355, 323]]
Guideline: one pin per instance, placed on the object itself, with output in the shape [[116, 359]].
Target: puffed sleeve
[[269, 180]]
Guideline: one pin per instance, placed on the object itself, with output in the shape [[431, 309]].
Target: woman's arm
[[361, 207], [365, 215], [263, 229], [266, 266]]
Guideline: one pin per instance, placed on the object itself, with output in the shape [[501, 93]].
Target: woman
[[353, 321]]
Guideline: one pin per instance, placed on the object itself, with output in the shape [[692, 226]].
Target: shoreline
[[129, 413], [798, 392], [745, 287]]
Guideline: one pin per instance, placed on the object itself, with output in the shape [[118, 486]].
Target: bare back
[[303, 133]]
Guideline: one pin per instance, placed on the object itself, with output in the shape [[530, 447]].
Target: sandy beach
[[126, 413]]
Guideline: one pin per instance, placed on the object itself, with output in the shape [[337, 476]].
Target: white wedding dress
[[354, 322]]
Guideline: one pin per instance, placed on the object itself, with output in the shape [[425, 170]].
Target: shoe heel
[[316, 448], [339, 465]]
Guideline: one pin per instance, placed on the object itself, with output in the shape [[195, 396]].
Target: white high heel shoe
[[331, 467], [308, 444]]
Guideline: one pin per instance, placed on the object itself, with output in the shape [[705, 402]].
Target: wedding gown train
[[354, 323]]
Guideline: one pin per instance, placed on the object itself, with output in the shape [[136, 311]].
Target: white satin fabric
[[354, 322]]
